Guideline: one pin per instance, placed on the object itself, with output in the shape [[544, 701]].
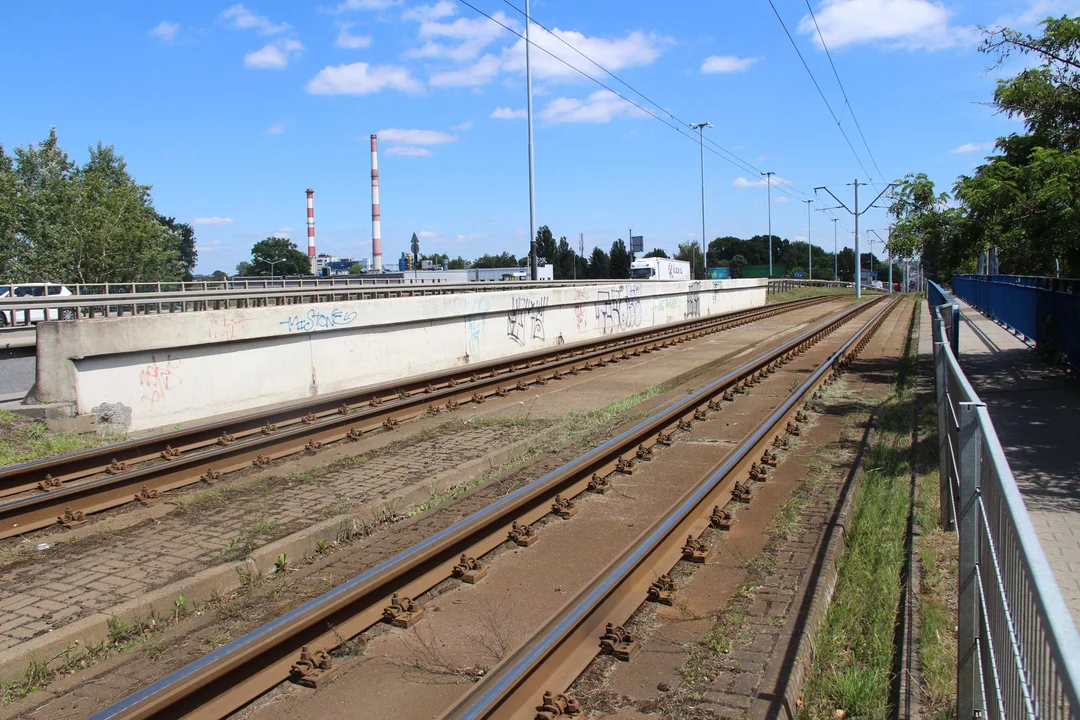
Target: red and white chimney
[[311, 228], [376, 220]]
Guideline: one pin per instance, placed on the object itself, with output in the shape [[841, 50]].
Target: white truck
[[656, 268]]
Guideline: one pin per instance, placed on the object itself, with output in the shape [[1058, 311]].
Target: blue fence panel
[[1046, 310]]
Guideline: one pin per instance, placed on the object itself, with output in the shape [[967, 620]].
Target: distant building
[[329, 266], [516, 274]]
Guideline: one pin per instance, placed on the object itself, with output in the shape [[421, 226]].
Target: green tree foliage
[[545, 245], [189, 254], [60, 222], [619, 261], [690, 251], [457, 263], [503, 260], [736, 264], [287, 259], [599, 265], [1022, 199], [244, 269], [220, 275], [656, 252], [564, 260], [356, 269]]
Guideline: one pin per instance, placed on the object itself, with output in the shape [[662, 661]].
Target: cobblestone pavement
[[1033, 407], [90, 576]]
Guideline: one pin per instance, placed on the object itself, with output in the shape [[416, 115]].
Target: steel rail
[[235, 674], [205, 452], [552, 659]]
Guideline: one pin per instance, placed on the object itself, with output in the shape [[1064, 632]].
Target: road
[[16, 372]]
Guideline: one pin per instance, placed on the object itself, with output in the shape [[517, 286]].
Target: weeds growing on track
[[23, 439], [853, 663]]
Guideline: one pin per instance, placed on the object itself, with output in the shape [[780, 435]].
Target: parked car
[[36, 315]]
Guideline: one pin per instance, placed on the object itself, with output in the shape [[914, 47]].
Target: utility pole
[[532, 196], [700, 127], [835, 256], [856, 213], [809, 245], [768, 183], [890, 257]]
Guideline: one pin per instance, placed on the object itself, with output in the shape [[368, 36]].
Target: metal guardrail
[[782, 284], [26, 311], [1018, 651]]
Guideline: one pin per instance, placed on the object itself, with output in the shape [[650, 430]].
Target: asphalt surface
[[16, 373]]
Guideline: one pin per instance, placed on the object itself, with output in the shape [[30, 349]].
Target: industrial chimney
[[311, 228], [376, 222]]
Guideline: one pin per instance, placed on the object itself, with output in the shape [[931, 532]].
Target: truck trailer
[[655, 268]]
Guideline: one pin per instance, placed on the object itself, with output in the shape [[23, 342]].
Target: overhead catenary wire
[[843, 91], [820, 92], [675, 123]]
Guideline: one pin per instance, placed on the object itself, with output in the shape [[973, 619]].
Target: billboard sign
[[637, 243], [720, 273]]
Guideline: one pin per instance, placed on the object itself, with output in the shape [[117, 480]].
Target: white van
[[29, 290]]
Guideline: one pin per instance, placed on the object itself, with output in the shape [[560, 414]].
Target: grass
[[937, 552], [23, 439], [853, 663], [252, 535]]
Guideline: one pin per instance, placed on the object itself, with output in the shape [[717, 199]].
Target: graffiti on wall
[[319, 320], [158, 378], [225, 328], [618, 309], [693, 300], [525, 319], [474, 325], [581, 319]]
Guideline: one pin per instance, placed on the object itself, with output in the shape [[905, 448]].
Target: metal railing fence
[[1018, 651], [1044, 310]]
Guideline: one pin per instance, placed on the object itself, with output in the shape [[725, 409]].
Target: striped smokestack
[[311, 228], [376, 221]]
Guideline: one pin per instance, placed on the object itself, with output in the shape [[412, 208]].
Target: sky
[[231, 110]]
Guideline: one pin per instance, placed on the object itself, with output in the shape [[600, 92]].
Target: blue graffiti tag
[[318, 320]]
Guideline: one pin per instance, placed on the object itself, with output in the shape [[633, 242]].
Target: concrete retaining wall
[[173, 368]]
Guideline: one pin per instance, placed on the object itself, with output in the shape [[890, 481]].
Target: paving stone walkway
[[74, 580], [1034, 409]]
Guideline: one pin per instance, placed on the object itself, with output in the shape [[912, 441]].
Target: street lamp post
[[768, 184], [835, 256], [272, 264], [700, 127], [809, 245], [532, 197]]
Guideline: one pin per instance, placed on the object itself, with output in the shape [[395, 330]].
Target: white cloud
[[407, 151], [166, 30], [780, 199], [1039, 10], [427, 13], [426, 235], [600, 107], [505, 113], [274, 55], [285, 232], [467, 125], [481, 73], [365, 5], [637, 49], [904, 24], [726, 64], [345, 39], [215, 220], [243, 19], [415, 137], [972, 147], [741, 182], [361, 79], [465, 37], [275, 129]]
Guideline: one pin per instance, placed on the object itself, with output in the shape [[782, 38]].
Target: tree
[[619, 260], [189, 254], [737, 264], [545, 245], [503, 260], [283, 253], [356, 269], [244, 269], [690, 251], [9, 227], [219, 275], [599, 265], [925, 226], [656, 252], [457, 263]]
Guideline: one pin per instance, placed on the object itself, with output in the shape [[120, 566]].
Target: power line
[[843, 91], [820, 92], [734, 159]]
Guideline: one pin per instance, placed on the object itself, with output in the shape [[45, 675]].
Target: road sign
[[415, 245], [796, 274], [637, 243]]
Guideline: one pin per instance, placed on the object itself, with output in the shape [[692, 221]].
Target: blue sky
[[232, 110]]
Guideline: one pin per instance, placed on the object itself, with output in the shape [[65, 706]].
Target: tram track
[[242, 670], [69, 488]]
